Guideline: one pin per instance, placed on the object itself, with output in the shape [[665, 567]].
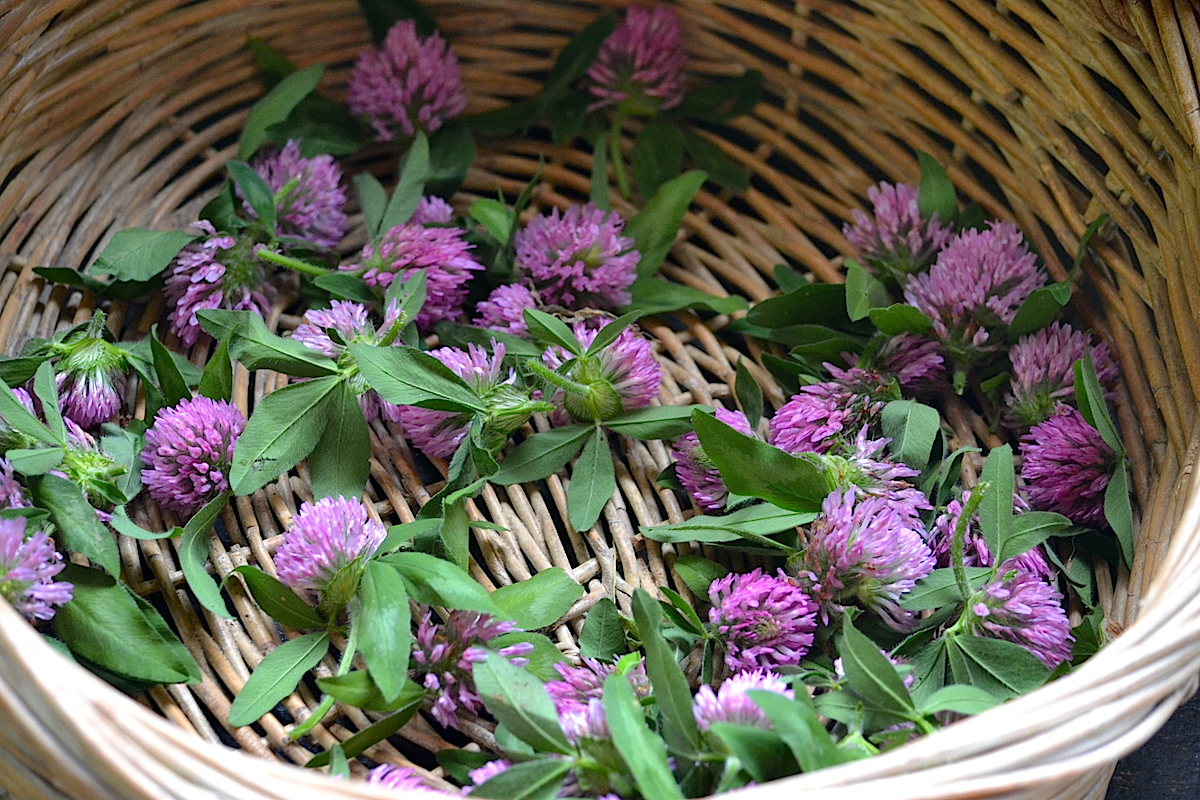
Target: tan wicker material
[[116, 113]]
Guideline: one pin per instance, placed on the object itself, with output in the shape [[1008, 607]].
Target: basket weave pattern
[[115, 114]]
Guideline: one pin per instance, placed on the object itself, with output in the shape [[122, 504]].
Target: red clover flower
[[918, 364], [12, 495], [331, 536], [823, 415], [27, 569], [410, 82], [504, 309], [403, 779], [1022, 607], [189, 453], [897, 241], [623, 376], [695, 469], [731, 704], [1066, 467], [90, 375], [1043, 371], [432, 209], [640, 64], [311, 200], [763, 621]]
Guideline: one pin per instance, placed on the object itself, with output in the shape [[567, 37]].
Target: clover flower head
[[27, 571], [324, 538], [918, 364], [404, 779], [189, 452], [824, 415], [1043, 371], [976, 286], [695, 469], [409, 83], [623, 376], [764, 621], [870, 475], [441, 252], [215, 272], [640, 63], [897, 241], [584, 721], [313, 206], [1066, 467], [444, 655], [432, 209], [863, 550], [504, 309], [578, 257], [1025, 608], [584, 682], [12, 495], [90, 375], [731, 704]]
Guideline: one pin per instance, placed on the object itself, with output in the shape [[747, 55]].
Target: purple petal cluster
[[1066, 467], [189, 452], [625, 375], [763, 621], [869, 476], [823, 415], [324, 537], [445, 653], [578, 697], [27, 570], [578, 258], [863, 550], [12, 495], [731, 704], [90, 375], [1043, 371], [313, 209], [409, 82], [441, 252], [695, 469], [918, 364], [977, 285], [432, 209], [975, 549], [504, 309], [1023, 607], [897, 241], [488, 771], [403, 779], [214, 272], [640, 63]]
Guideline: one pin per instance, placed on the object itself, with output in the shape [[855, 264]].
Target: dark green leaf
[[321, 125], [749, 394], [283, 430], [16, 416], [657, 155], [996, 510], [899, 318], [609, 333], [381, 15], [936, 192], [543, 658], [506, 120], [797, 724], [123, 525], [15, 371], [217, 381], [863, 291], [495, 217], [913, 428], [115, 629], [462, 335], [437, 582], [384, 627], [518, 701], [409, 295], [1002, 668], [722, 99], [193, 552], [406, 376], [1031, 529], [550, 330], [1089, 635], [654, 422], [451, 154], [274, 65], [345, 286], [258, 348], [570, 115], [1039, 309], [593, 482], [78, 527], [459, 764], [539, 601], [542, 454], [762, 753], [938, 588], [414, 172], [529, 780], [275, 108], [170, 381], [754, 522], [255, 190], [1118, 511], [603, 635], [698, 573], [137, 254], [35, 462], [929, 670], [871, 676], [1089, 395], [811, 304], [573, 61], [654, 227], [960, 698], [284, 606], [341, 461], [1084, 240], [359, 742], [222, 210], [708, 157], [643, 750], [358, 690], [671, 691], [373, 199], [276, 677], [657, 296], [753, 468]]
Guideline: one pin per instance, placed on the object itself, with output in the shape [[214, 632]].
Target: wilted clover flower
[[897, 241], [432, 209], [623, 376], [918, 364], [578, 258], [441, 252], [445, 654], [90, 375], [859, 469], [351, 323], [404, 779], [438, 433], [504, 309], [640, 63], [862, 550], [824, 415], [216, 272], [731, 704], [189, 452], [409, 82], [331, 536], [311, 201], [1066, 467], [761, 620], [1022, 607], [975, 288], [27, 570], [696, 470], [1043, 371], [12, 495]]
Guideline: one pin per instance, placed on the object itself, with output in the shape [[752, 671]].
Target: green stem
[[615, 155], [958, 543], [289, 262], [552, 377]]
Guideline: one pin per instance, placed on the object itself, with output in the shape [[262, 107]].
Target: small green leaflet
[[520, 702], [384, 623], [593, 482], [871, 676], [1039, 309], [913, 428], [996, 510], [753, 522], [77, 526], [644, 752], [435, 581], [278, 600], [341, 461], [528, 780], [542, 454], [654, 228], [414, 171], [749, 394], [255, 190], [137, 254], [657, 155], [413, 695], [275, 107], [863, 291], [276, 677], [698, 573], [1001, 668], [251, 343], [671, 691], [406, 376], [193, 551], [603, 635], [373, 199], [539, 601], [936, 193]]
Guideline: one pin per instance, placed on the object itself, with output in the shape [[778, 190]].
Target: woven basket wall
[[114, 114]]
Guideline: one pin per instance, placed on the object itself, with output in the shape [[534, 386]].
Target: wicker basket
[[116, 113]]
